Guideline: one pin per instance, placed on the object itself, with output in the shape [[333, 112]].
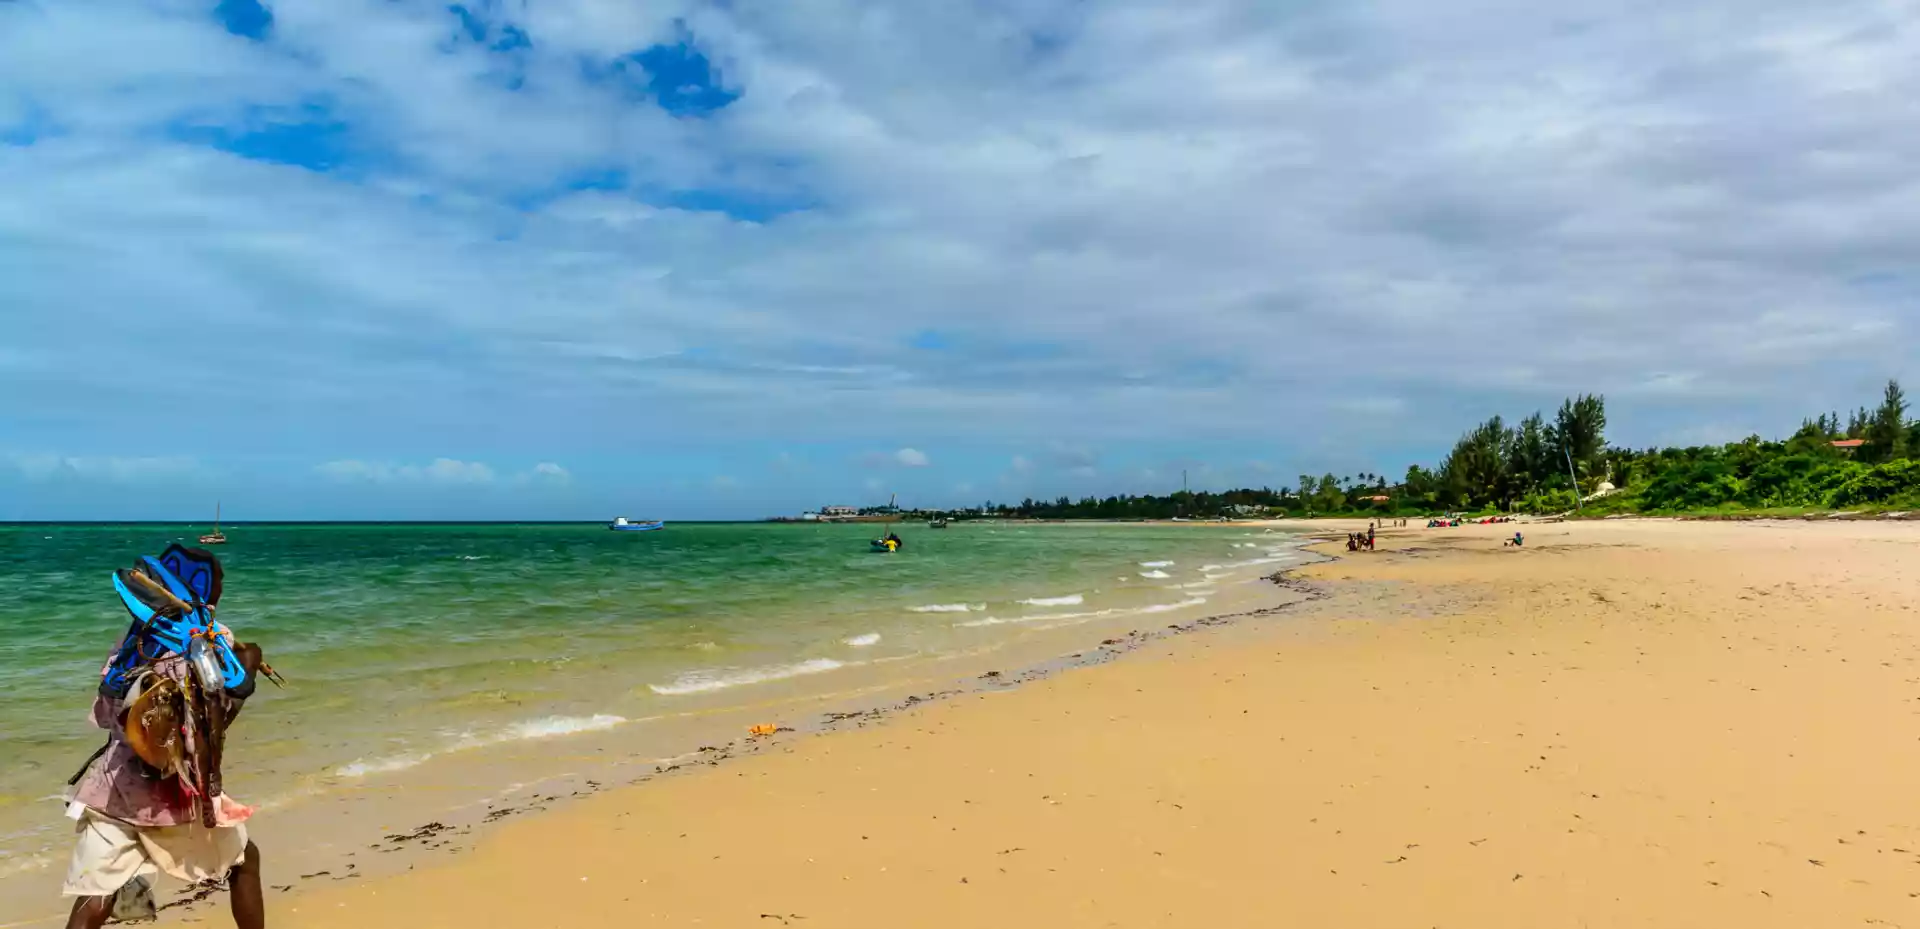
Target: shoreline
[[1458, 734], [1276, 594], [362, 828]]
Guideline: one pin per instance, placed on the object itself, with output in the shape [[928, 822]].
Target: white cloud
[[451, 471], [354, 470], [552, 473], [119, 470], [1022, 465], [912, 458], [443, 471]]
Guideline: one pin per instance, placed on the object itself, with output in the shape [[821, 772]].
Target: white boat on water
[[622, 524]]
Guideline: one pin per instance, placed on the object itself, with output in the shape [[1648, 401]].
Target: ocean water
[[403, 643]]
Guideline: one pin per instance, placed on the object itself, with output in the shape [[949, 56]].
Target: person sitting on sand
[[135, 822]]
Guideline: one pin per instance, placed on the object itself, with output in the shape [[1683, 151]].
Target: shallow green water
[[404, 641]]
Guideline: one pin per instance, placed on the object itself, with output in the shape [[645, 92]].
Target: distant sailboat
[[216, 537]]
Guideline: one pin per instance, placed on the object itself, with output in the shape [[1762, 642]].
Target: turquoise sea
[[407, 642]]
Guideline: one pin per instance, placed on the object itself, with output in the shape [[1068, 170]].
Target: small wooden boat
[[216, 537]]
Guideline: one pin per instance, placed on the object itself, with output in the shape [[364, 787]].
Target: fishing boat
[[216, 537], [622, 524], [937, 523]]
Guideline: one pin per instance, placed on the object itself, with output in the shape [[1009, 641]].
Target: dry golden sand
[[1623, 724]]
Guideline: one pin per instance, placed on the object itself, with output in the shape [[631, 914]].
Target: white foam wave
[[1278, 556], [1068, 600], [542, 728], [1212, 567], [707, 681], [362, 767], [1155, 575], [1089, 614], [561, 725], [22, 865], [948, 608], [1036, 618], [1170, 607], [862, 641], [1156, 564]]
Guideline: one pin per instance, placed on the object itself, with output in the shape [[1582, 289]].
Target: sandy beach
[[1635, 723]]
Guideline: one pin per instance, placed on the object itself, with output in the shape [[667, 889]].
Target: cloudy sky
[[573, 258]]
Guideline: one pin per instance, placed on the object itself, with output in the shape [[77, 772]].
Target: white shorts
[[110, 853]]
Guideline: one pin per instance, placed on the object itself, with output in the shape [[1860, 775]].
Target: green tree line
[[1547, 465]]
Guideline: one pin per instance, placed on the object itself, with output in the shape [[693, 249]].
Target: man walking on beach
[[150, 801], [135, 823]]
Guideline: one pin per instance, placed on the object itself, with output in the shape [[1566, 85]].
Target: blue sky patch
[[930, 340], [245, 18], [741, 204], [511, 39], [750, 206], [307, 136], [474, 27], [36, 125], [477, 27], [678, 77], [985, 348]]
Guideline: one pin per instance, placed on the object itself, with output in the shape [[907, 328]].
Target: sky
[[570, 259]]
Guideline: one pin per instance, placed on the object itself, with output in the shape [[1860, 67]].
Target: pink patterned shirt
[[120, 785]]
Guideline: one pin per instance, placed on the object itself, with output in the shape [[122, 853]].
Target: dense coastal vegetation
[[1564, 464]]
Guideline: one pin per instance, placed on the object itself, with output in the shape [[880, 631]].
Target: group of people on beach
[[1361, 541]]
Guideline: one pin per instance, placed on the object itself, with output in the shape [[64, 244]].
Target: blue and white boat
[[621, 524]]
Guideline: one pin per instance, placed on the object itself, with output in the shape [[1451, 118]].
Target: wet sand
[[1633, 723]]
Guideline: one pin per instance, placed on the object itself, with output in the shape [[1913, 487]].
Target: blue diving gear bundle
[[172, 599]]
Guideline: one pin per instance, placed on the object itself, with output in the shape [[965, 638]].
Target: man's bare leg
[[90, 912], [243, 887]]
